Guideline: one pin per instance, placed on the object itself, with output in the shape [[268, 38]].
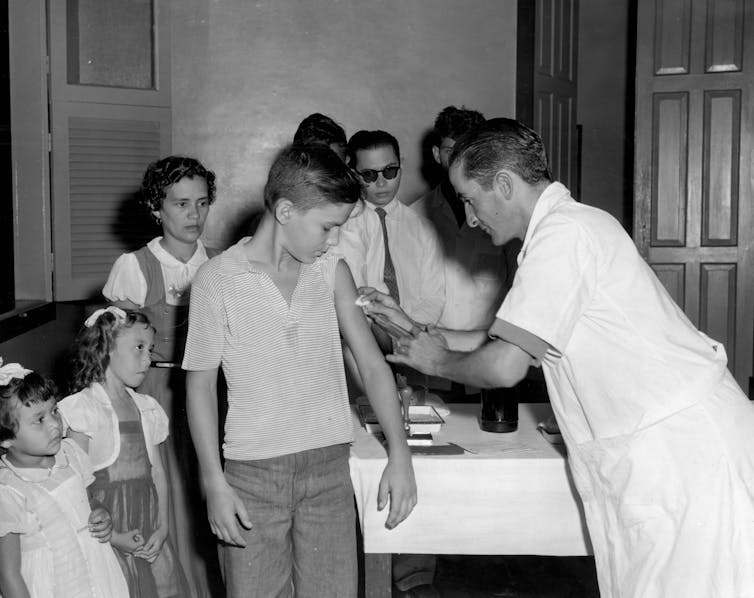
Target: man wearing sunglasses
[[404, 256]]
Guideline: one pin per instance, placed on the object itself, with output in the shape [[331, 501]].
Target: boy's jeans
[[303, 539]]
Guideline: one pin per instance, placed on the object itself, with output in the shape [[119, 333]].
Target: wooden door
[[546, 92], [693, 162]]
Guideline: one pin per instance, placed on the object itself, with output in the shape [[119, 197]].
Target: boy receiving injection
[[271, 310]]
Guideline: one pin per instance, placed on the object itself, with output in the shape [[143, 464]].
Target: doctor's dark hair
[[167, 171], [90, 354], [319, 129], [29, 390], [454, 122], [309, 175], [501, 143], [366, 140]]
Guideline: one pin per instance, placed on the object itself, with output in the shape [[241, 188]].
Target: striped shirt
[[283, 363]]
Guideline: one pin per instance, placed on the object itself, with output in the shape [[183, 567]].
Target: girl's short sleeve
[[77, 415], [126, 281], [79, 459], [14, 518], [155, 420]]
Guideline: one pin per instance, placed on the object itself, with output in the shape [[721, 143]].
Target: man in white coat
[[659, 435]]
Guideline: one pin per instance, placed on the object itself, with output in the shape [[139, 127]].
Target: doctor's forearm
[[490, 366]]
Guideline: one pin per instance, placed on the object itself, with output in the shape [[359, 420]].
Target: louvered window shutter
[[95, 209], [110, 117]]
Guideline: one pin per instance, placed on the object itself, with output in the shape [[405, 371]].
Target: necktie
[[388, 274]]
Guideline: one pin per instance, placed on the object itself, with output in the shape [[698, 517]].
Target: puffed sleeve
[[78, 415], [14, 518], [126, 281], [79, 459], [154, 420]]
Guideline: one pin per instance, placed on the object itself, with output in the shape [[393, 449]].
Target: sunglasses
[[370, 176]]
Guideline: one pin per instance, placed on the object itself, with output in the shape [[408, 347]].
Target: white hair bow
[[10, 371], [119, 314]]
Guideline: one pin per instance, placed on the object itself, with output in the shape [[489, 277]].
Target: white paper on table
[[494, 447]]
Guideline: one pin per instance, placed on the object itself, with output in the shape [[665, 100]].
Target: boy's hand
[[100, 524], [225, 511], [399, 484], [153, 545], [128, 542]]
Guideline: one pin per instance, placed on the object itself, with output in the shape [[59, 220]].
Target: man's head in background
[[451, 123], [318, 129], [376, 158]]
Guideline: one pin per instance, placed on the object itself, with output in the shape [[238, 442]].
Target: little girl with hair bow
[[122, 430], [54, 541]]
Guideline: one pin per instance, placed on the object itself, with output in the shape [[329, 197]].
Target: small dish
[[423, 419]]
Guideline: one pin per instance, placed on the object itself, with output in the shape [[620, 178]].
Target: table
[[513, 495]]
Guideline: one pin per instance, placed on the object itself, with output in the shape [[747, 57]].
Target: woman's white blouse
[[126, 281], [90, 412]]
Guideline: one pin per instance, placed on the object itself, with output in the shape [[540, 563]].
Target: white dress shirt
[[414, 248], [126, 281], [477, 273]]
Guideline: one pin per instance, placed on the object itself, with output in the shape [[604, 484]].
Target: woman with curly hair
[[176, 191]]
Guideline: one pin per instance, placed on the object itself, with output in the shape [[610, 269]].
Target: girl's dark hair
[[33, 388], [170, 170], [308, 175], [90, 355]]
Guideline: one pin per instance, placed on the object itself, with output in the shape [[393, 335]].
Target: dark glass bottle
[[499, 410]]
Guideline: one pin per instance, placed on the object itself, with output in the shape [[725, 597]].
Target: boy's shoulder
[[230, 262]]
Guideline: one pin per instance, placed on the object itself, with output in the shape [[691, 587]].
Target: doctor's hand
[[375, 302], [423, 351]]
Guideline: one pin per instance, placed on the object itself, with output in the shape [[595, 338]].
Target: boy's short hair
[[29, 390], [167, 171], [319, 129], [366, 140], [497, 144], [454, 122], [308, 175]]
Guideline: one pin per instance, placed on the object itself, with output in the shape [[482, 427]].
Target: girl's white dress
[[49, 509]]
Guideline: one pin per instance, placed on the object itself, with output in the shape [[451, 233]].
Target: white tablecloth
[[514, 495]]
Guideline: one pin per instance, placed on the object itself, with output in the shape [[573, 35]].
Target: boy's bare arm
[[224, 509], [398, 479]]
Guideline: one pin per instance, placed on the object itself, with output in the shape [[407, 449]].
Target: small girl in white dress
[[52, 543]]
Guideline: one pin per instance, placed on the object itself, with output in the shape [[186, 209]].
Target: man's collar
[[390, 208], [553, 194]]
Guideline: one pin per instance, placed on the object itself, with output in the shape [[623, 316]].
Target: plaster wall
[[245, 73]]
